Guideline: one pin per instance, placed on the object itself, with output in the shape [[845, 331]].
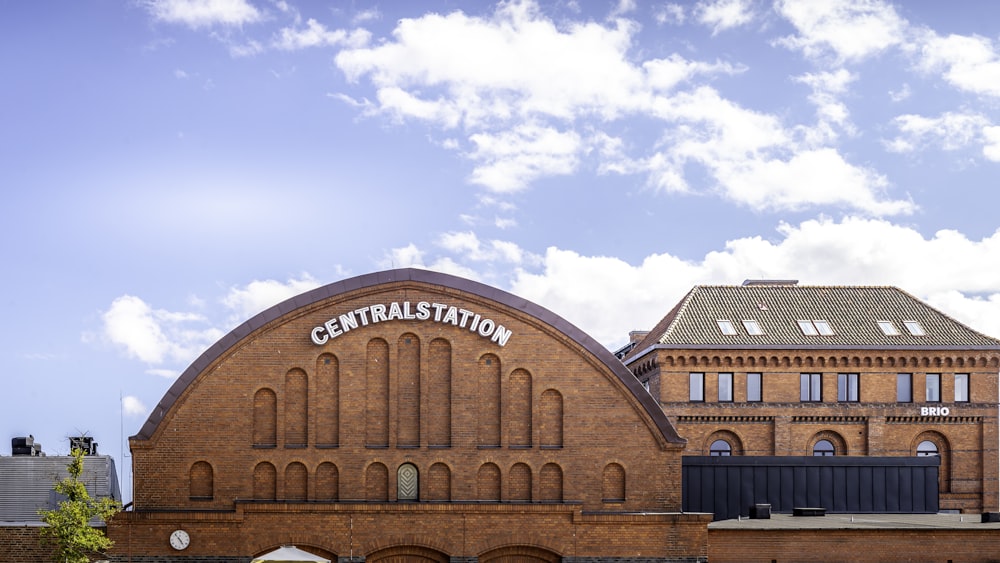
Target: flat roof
[[938, 521]]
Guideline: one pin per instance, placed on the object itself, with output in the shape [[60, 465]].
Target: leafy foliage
[[69, 525]]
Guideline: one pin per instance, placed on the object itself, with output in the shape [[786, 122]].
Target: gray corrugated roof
[[26, 483], [852, 312]]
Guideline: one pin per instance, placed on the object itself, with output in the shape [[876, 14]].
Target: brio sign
[[934, 411]]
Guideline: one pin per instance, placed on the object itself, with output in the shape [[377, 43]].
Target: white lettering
[[502, 335], [347, 321], [423, 310], [443, 313], [934, 411], [486, 327], [394, 311], [465, 317], [362, 312], [438, 307], [317, 336], [332, 329]]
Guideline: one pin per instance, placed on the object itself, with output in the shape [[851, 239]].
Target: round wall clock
[[179, 539]]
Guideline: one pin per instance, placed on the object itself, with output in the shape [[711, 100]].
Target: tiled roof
[[852, 312]]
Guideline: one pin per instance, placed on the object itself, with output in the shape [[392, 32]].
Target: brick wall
[[21, 544], [857, 546]]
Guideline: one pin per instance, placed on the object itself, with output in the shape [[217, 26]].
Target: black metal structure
[[730, 486]]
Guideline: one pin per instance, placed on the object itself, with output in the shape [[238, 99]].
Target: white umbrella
[[290, 553]]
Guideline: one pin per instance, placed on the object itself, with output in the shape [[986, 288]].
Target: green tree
[[69, 525]]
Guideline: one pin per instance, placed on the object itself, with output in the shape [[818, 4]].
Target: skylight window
[[888, 328], [752, 327], [727, 327], [914, 328], [815, 328]]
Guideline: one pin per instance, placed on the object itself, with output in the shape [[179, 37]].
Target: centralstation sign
[[404, 310]]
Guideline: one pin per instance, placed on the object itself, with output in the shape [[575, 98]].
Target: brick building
[[779, 369], [407, 416], [27, 478]]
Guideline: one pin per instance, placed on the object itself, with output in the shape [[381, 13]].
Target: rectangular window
[[933, 394], [904, 388], [727, 327], [811, 387], [914, 328], [755, 388], [753, 327], [696, 387], [725, 387], [961, 388], [847, 388]]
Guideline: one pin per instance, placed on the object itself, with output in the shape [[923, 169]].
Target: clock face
[[179, 539]]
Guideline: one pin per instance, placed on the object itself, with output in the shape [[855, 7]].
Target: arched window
[[824, 448], [927, 448], [720, 448], [407, 484]]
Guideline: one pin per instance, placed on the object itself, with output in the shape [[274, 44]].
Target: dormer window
[[727, 327], [888, 328], [914, 328], [807, 328], [752, 327]]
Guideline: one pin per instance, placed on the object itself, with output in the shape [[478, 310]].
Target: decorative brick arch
[[728, 436], [519, 554], [202, 481]]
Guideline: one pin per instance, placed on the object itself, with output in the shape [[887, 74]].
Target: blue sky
[[172, 167]]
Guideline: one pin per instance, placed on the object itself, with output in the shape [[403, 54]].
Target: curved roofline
[[215, 351]]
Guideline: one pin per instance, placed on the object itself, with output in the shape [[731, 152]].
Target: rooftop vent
[[770, 282], [25, 446], [85, 443]]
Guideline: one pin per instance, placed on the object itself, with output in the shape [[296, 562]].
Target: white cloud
[[258, 295], [969, 63], [827, 88], [902, 94], [851, 30], [371, 14], [468, 245], [132, 406], [513, 159], [203, 13], [950, 131], [721, 15], [669, 14], [316, 34], [757, 162], [156, 336], [991, 147], [538, 100]]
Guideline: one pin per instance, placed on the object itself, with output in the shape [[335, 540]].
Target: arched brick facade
[[502, 415]]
